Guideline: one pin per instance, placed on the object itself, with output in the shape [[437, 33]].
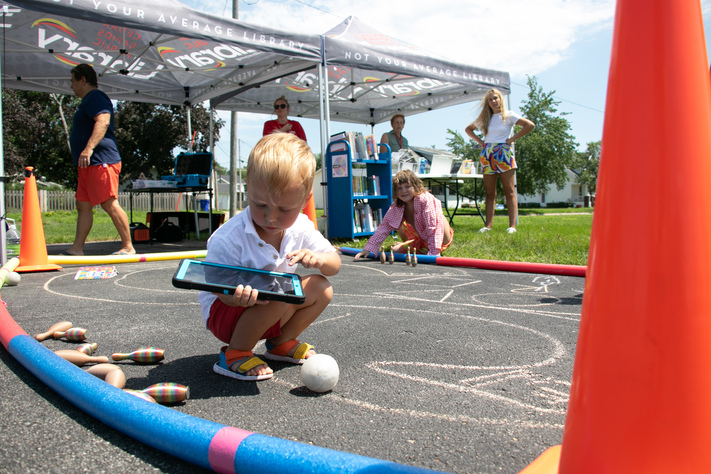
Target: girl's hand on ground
[[361, 254]]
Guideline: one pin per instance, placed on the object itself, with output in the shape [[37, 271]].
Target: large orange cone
[[310, 211], [640, 398], [33, 248]]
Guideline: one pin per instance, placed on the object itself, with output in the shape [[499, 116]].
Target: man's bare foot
[[73, 253], [125, 251]]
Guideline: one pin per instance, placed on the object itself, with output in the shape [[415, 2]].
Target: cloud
[[518, 36]]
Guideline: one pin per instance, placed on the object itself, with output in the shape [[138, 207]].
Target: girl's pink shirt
[[429, 223]]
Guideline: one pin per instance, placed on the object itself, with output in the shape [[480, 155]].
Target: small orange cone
[[33, 248], [641, 387], [310, 211]]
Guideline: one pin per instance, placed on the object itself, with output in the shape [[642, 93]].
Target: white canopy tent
[[371, 76], [367, 77], [156, 51], [161, 51]]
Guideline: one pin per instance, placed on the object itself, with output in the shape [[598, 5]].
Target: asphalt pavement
[[452, 369]]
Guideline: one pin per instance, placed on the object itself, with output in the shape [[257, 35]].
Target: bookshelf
[[359, 190]]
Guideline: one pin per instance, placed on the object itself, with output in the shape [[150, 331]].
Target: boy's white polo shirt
[[237, 243]]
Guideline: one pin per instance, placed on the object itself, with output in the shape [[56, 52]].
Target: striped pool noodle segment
[[167, 392], [71, 334], [398, 257], [202, 442], [88, 348], [144, 355], [141, 395]]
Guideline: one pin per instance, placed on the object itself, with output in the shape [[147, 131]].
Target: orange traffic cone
[[641, 386], [33, 248], [310, 211]]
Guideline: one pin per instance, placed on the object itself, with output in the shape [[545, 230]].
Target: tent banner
[[354, 44], [174, 18], [156, 51]]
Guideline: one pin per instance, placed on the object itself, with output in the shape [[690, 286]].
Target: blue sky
[[566, 44]]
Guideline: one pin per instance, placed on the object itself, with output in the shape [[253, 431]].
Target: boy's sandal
[[280, 352], [240, 367]]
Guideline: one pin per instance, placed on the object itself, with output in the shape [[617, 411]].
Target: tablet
[[217, 278]]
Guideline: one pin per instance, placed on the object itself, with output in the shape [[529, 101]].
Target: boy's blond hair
[[282, 160]]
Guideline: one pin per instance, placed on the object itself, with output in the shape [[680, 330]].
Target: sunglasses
[[280, 106]]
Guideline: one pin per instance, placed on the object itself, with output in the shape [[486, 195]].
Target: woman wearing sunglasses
[[282, 123]]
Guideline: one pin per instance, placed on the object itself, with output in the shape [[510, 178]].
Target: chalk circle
[[517, 299]]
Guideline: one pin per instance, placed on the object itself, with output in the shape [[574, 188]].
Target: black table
[[194, 190], [448, 181]]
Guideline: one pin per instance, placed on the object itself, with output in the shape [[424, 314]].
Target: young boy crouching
[[270, 234]]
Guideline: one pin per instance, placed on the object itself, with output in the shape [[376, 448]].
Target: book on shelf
[[365, 218], [366, 185], [362, 147], [370, 147]]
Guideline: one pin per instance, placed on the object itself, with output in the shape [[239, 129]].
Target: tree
[[586, 165], [544, 154], [34, 135], [148, 134]]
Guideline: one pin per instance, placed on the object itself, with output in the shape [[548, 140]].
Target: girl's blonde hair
[[407, 177], [282, 160], [484, 119]]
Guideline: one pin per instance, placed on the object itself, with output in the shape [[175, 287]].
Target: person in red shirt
[[282, 123]]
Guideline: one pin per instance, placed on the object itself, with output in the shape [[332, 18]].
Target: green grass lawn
[[541, 237], [60, 226]]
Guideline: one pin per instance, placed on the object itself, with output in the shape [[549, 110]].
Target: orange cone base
[[38, 268], [546, 463]]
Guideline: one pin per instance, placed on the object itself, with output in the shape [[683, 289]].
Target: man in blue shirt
[[96, 155]]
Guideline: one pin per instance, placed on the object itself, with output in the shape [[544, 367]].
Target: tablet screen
[[202, 272]]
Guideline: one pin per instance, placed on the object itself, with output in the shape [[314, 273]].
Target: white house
[[573, 193]]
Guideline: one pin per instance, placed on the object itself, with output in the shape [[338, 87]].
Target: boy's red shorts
[[223, 319], [98, 183]]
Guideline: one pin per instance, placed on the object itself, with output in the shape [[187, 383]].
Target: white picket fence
[[64, 201]]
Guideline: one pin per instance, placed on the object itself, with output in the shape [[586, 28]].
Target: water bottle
[[423, 166]]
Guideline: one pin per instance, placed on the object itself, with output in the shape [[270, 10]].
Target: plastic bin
[[205, 205]]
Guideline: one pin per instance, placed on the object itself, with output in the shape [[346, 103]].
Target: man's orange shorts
[[98, 183]]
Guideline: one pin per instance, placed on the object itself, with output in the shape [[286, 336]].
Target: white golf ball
[[320, 373], [12, 278]]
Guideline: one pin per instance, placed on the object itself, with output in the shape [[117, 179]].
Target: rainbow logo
[[296, 88], [219, 65], [56, 24], [66, 60], [166, 49]]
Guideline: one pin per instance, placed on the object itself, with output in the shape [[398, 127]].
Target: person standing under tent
[[497, 155], [394, 137], [282, 123], [95, 152]]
